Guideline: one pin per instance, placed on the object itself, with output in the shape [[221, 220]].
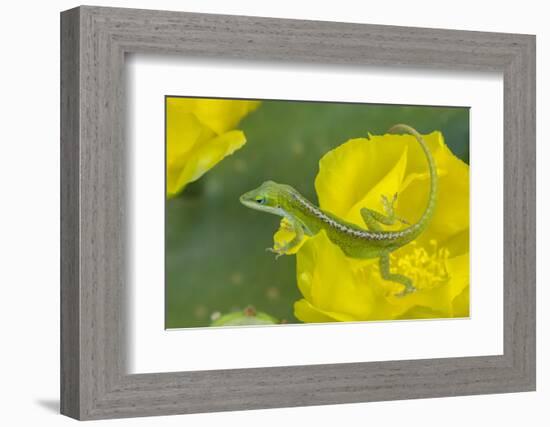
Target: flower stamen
[[426, 266]]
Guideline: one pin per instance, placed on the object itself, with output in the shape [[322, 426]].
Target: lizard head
[[268, 197]]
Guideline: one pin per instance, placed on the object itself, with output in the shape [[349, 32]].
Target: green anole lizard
[[304, 218]]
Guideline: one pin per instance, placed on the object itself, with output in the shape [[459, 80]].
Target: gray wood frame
[[94, 382]]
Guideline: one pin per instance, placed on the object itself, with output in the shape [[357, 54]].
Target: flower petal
[[461, 304], [421, 312], [183, 132], [452, 208], [219, 115], [439, 299], [458, 244], [328, 282], [459, 273], [308, 313], [388, 185], [204, 157], [198, 127], [356, 167]]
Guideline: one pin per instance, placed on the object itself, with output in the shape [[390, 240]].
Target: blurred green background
[[215, 247]]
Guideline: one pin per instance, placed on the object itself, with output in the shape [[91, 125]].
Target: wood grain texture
[[94, 196], [70, 291]]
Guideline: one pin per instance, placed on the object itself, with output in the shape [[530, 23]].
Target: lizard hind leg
[[389, 209], [393, 277], [373, 219]]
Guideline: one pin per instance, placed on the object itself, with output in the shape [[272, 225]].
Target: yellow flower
[[356, 174], [199, 134]]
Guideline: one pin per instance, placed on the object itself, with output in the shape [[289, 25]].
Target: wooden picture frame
[[94, 382]]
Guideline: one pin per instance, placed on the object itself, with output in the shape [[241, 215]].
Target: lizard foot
[[277, 251], [408, 290], [389, 209]]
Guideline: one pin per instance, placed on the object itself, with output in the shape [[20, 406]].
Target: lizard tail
[[432, 197]]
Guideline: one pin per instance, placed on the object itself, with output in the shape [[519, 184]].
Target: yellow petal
[[328, 282], [356, 167], [437, 301], [452, 208], [452, 214], [306, 312], [219, 115], [417, 162], [198, 136], [458, 244], [421, 312], [459, 273], [461, 304], [388, 185], [183, 133], [205, 156]]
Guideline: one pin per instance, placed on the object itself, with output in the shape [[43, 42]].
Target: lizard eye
[[260, 200]]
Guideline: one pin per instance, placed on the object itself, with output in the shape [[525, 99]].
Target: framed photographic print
[[343, 253], [261, 213]]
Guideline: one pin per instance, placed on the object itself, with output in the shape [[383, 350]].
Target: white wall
[[29, 225]]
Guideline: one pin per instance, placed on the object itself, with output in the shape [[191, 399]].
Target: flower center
[[427, 267]]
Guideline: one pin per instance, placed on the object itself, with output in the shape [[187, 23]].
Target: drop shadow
[[51, 405]]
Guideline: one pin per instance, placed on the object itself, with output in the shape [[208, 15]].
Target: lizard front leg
[[298, 230], [398, 278]]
